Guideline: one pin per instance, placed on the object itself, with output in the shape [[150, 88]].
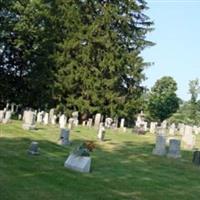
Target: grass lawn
[[123, 167]]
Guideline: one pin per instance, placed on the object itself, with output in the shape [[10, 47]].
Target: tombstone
[[71, 123], [160, 147], [108, 122], [172, 129], [141, 125], [164, 124], [29, 120], [12, 107], [53, 119], [195, 130], [1, 115], [64, 137], [97, 120], [40, 117], [78, 163], [181, 129], [174, 148], [101, 132], [19, 117], [75, 122], [188, 138], [7, 118], [84, 123], [46, 119], [196, 158], [51, 115], [62, 121], [33, 149], [122, 123], [89, 122], [153, 126]]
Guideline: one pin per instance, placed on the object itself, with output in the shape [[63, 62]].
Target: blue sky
[[177, 38]]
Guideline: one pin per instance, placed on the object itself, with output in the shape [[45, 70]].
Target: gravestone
[[71, 123], [89, 122], [160, 147], [188, 138], [97, 120], [141, 124], [1, 115], [196, 158], [75, 118], [33, 149], [7, 118], [29, 120], [174, 148], [78, 163], [53, 119], [84, 123], [51, 116], [19, 117], [153, 126], [46, 119], [164, 124], [122, 122], [181, 129], [101, 132], [64, 137], [62, 121], [172, 129], [40, 117], [108, 122]]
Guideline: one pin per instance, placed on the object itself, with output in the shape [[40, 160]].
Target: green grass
[[123, 167]]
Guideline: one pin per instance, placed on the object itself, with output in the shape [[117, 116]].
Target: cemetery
[[99, 100]]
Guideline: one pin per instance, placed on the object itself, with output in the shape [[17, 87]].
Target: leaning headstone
[[101, 132], [97, 120], [33, 149], [188, 138], [29, 120], [78, 163], [160, 147], [64, 137], [174, 148], [7, 118], [62, 121], [1, 115]]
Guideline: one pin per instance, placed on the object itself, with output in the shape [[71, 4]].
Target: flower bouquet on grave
[[84, 149]]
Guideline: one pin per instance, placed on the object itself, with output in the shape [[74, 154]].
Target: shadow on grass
[[119, 171]]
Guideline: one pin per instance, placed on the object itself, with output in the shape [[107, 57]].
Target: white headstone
[[29, 120], [7, 118], [97, 120], [122, 123], [62, 121], [1, 115], [188, 138], [153, 126], [101, 132], [46, 119], [172, 129], [108, 122]]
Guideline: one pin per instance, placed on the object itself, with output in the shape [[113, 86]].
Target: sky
[[177, 38]]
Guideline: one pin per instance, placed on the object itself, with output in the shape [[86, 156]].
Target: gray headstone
[[29, 120], [174, 148], [1, 115], [7, 118], [33, 149], [101, 132], [78, 163], [64, 137]]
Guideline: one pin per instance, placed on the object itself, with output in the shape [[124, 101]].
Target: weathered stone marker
[[29, 120], [174, 148], [33, 149], [64, 137], [196, 158]]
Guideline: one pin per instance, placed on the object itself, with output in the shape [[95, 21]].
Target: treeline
[[80, 55]]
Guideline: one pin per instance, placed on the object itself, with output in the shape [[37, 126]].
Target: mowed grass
[[123, 167]]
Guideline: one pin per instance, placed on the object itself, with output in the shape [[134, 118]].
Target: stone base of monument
[[196, 158], [78, 163], [159, 152], [28, 127]]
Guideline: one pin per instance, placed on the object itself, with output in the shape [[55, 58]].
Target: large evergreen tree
[[100, 66]]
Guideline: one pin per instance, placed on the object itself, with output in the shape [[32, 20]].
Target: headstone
[[29, 120], [19, 117], [53, 119], [108, 122], [78, 163], [160, 148], [40, 117], [1, 115], [101, 132], [64, 137], [7, 118], [97, 120], [164, 124], [51, 115], [33, 149], [174, 148], [153, 126], [196, 157], [89, 123], [181, 129], [75, 118], [122, 123], [195, 130], [141, 125], [71, 123], [84, 123], [188, 138], [46, 119], [62, 121], [172, 129]]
